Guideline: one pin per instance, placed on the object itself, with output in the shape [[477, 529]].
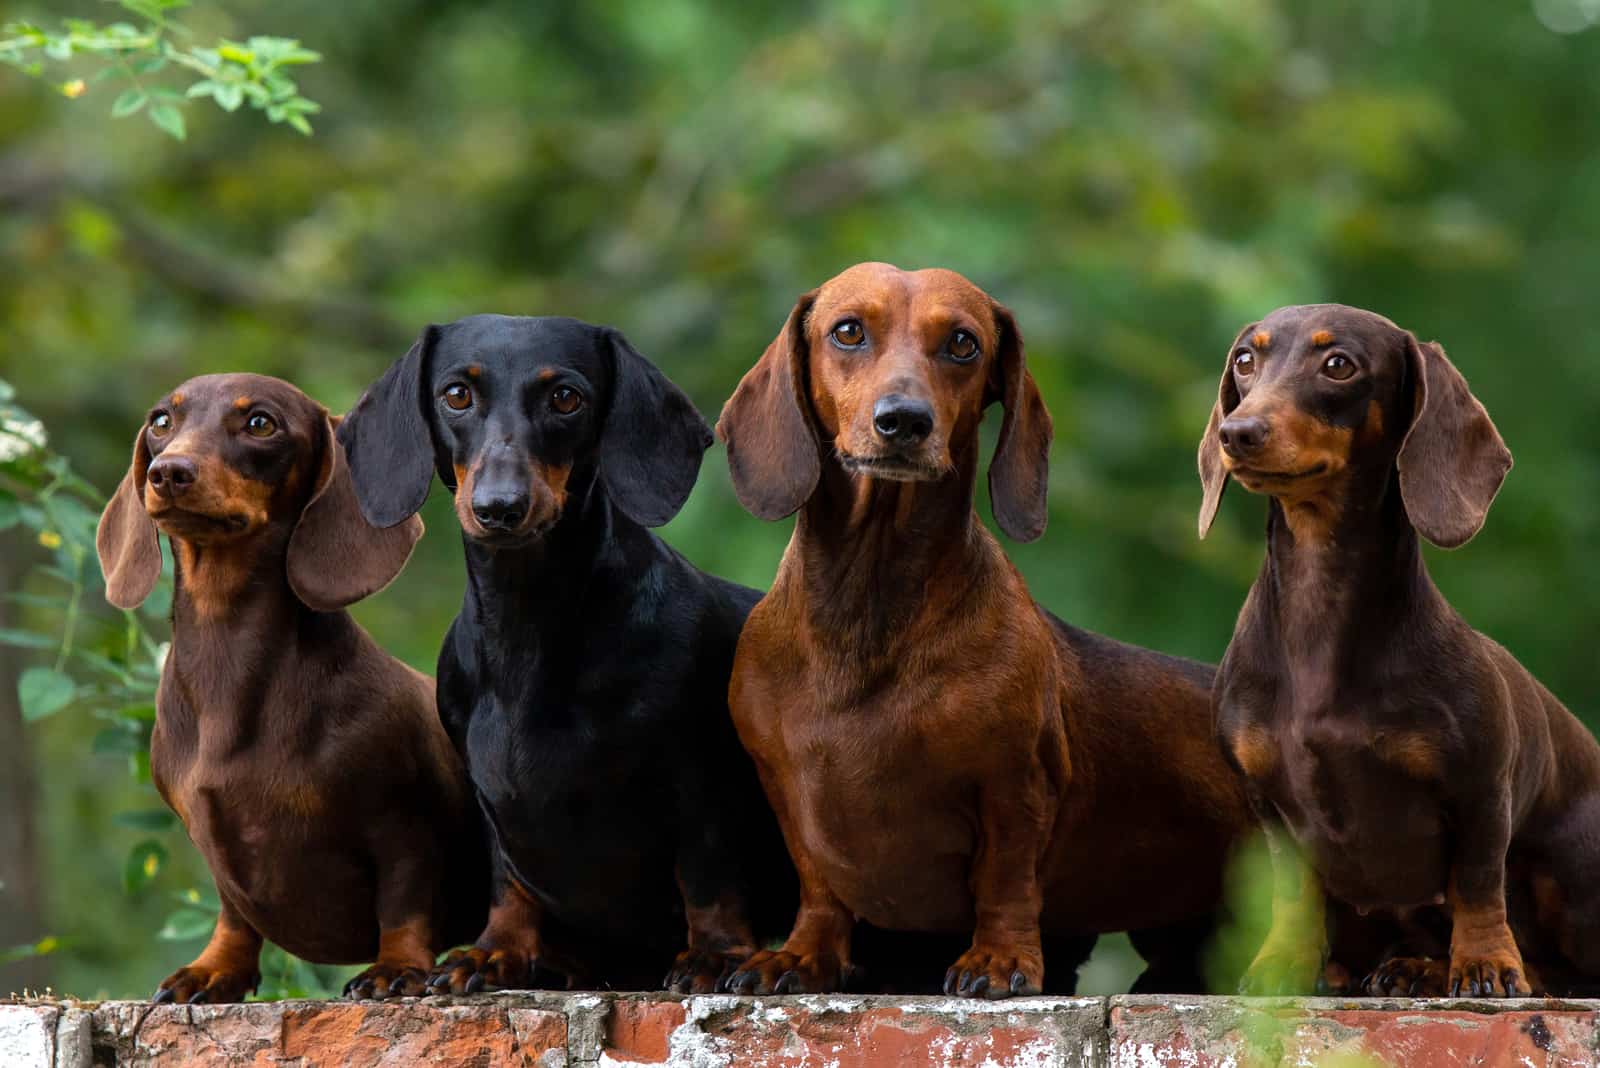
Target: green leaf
[[299, 122], [118, 741], [24, 639], [186, 924], [145, 861], [138, 713], [10, 512], [128, 101], [42, 948], [147, 819], [228, 95], [43, 691], [169, 119]]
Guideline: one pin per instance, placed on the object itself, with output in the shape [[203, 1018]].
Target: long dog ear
[[1213, 476], [126, 539], [653, 441], [772, 446], [335, 556], [1453, 460], [1019, 474], [387, 443]]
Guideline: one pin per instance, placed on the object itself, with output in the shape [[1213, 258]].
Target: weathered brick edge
[[551, 1030]]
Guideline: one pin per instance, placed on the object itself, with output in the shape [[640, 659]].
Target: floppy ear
[[126, 539], [1452, 461], [1213, 476], [772, 447], [335, 556], [1019, 474], [653, 441], [387, 443]]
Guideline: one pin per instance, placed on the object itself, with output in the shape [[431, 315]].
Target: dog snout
[[170, 476], [499, 507], [1243, 436], [901, 420]]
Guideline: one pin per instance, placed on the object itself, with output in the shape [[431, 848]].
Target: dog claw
[[198, 998], [979, 986], [474, 983], [163, 996]]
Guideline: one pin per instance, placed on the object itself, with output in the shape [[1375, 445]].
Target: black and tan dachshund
[[585, 680], [1415, 763], [307, 765]]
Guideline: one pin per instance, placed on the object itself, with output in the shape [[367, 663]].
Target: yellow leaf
[[152, 864], [74, 89], [49, 539]]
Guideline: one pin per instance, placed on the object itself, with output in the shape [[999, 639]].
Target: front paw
[[702, 971], [388, 981], [198, 984], [995, 974], [782, 972], [1280, 972], [1490, 974], [1408, 977], [468, 971]]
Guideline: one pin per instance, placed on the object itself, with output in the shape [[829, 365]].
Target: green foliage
[[255, 71]]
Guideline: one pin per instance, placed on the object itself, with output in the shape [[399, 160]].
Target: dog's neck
[[870, 555], [1339, 587], [237, 624]]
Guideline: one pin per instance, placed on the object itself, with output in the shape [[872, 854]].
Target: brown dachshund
[[1410, 758], [308, 766], [944, 755]]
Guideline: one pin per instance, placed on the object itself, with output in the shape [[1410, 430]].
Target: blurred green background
[[1135, 180]]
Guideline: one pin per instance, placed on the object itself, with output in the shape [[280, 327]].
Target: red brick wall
[[551, 1030]]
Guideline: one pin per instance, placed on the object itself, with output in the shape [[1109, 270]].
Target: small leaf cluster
[[232, 73]]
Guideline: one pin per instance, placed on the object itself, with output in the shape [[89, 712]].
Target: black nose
[[499, 511], [901, 420], [171, 475], [1241, 437]]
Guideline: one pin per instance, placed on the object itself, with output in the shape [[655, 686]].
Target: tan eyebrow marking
[[473, 370], [1261, 339], [241, 402], [546, 375], [177, 399], [1322, 337]]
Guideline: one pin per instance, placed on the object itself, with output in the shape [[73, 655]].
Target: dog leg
[[226, 970], [510, 954], [720, 935], [1484, 958], [1290, 958], [1006, 958]]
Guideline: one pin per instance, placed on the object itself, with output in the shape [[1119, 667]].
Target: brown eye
[[1244, 363], [161, 424], [458, 396], [849, 334], [566, 400], [1338, 368], [963, 347], [260, 425]]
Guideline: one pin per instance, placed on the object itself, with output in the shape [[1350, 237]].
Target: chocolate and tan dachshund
[[584, 681], [943, 754], [308, 766], [1412, 760]]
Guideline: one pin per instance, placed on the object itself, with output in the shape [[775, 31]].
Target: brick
[[350, 1034], [28, 1035], [1369, 1033], [845, 1032]]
